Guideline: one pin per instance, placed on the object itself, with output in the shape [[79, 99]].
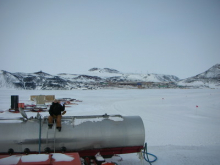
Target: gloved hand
[[63, 112]]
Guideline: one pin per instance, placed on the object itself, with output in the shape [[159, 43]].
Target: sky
[[174, 37]]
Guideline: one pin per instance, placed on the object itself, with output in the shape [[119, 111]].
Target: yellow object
[[63, 112]]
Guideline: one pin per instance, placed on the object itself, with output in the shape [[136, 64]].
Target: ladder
[[51, 137]]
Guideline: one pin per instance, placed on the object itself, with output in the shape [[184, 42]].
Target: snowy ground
[[182, 126]]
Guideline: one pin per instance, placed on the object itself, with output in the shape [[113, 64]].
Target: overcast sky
[[175, 37]]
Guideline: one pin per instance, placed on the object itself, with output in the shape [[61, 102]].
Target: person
[[55, 113]]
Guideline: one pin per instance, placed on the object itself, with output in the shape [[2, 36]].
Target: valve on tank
[[63, 149], [27, 151], [47, 150], [10, 151]]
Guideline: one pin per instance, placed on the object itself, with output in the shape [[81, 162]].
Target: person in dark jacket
[[55, 113]]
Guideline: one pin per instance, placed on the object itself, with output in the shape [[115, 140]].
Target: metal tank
[[79, 133]]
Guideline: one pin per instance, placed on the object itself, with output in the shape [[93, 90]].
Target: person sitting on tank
[[55, 113]]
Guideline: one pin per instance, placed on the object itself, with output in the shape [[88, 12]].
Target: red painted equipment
[[41, 159], [21, 105], [110, 151]]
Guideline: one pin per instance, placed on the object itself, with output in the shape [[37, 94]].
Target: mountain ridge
[[105, 77], [209, 78]]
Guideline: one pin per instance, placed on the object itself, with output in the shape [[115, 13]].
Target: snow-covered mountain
[[104, 70], [101, 78], [209, 78], [113, 75], [37, 80]]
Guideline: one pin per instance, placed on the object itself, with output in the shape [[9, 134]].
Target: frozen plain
[[182, 126]]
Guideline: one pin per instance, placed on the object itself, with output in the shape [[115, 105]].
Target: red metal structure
[[40, 159]]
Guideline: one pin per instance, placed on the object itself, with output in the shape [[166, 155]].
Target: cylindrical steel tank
[[78, 133]]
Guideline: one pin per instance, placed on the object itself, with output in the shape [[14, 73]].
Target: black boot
[[50, 126], [59, 129]]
